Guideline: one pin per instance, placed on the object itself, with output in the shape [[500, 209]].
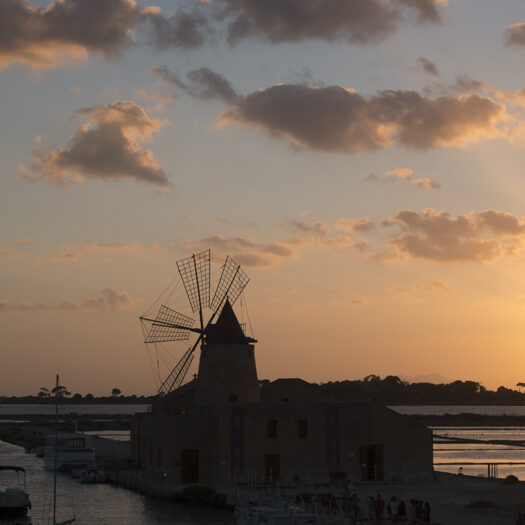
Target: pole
[[55, 459]]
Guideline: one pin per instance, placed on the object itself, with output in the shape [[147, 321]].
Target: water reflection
[[101, 504]]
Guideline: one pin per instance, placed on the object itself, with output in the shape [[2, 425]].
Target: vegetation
[[510, 480], [390, 390], [394, 391]]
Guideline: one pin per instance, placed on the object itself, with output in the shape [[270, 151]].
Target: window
[[302, 428], [272, 428], [76, 443]]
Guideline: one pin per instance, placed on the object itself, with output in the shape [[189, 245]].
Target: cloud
[[362, 225], [358, 21], [335, 119], [105, 147], [419, 291], [245, 251], [432, 286], [65, 30], [25, 242], [182, 29], [425, 183], [308, 227], [515, 35], [74, 251], [405, 174], [426, 9], [203, 84], [427, 66], [436, 236], [257, 254], [361, 245], [461, 84], [400, 173], [108, 300], [69, 30]]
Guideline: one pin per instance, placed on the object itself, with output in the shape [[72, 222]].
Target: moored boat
[[71, 452], [14, 501]]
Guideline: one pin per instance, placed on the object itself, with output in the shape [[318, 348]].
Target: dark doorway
[[371, 461], [272, 467], [189, 465]]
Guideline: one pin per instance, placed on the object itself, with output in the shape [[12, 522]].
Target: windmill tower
[[227, 371]]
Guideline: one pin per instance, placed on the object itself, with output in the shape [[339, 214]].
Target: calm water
[[480, 452], [438, 410], [6, 409], [100, 504]]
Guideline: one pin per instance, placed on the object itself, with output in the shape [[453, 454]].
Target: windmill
[[170, 325]]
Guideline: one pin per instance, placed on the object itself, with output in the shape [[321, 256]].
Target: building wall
[[226, 370], [234, 443]]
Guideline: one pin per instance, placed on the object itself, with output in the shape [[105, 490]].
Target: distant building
[[217, 430]]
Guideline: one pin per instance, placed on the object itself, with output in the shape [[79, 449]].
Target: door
[[371, 461], [189, 465], [272, 467]]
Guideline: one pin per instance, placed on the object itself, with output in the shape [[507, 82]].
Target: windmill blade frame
[[195, 275], [169, 325], [232, 282]]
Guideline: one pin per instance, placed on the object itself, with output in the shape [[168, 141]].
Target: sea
[[107, 504]]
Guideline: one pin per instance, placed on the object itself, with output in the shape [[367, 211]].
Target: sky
[[361, 159]]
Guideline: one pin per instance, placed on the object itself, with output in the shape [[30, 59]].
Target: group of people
[[416, 512]]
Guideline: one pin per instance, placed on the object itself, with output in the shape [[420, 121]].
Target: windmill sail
[[231, 284], [195, 274], [169, 325]]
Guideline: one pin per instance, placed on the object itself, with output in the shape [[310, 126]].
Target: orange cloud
[[515, 35], [405, 174], [66, 29], [69, 30], [363, 224], [108, 300], [308, 233], [432, 286], [340, 120], [105, 147], [436, 236]]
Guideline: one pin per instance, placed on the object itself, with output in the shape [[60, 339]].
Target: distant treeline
[[88, 399], [394, 391], [390, 390]]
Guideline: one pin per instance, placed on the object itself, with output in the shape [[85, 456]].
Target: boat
[[14, 501], [69, 451]]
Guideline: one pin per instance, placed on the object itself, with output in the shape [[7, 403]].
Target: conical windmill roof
[[227, 329]]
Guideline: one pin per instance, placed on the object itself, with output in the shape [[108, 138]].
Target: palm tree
[[116, 392], [44, 392], [60, 391]]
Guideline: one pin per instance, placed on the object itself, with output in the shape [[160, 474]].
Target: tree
[[116, 392], [520, 385], [60, 391], [44, 392]]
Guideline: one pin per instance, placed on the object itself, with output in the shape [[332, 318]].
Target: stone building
[[216, 430]]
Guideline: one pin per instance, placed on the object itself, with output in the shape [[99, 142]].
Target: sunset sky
[[362, 159]]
